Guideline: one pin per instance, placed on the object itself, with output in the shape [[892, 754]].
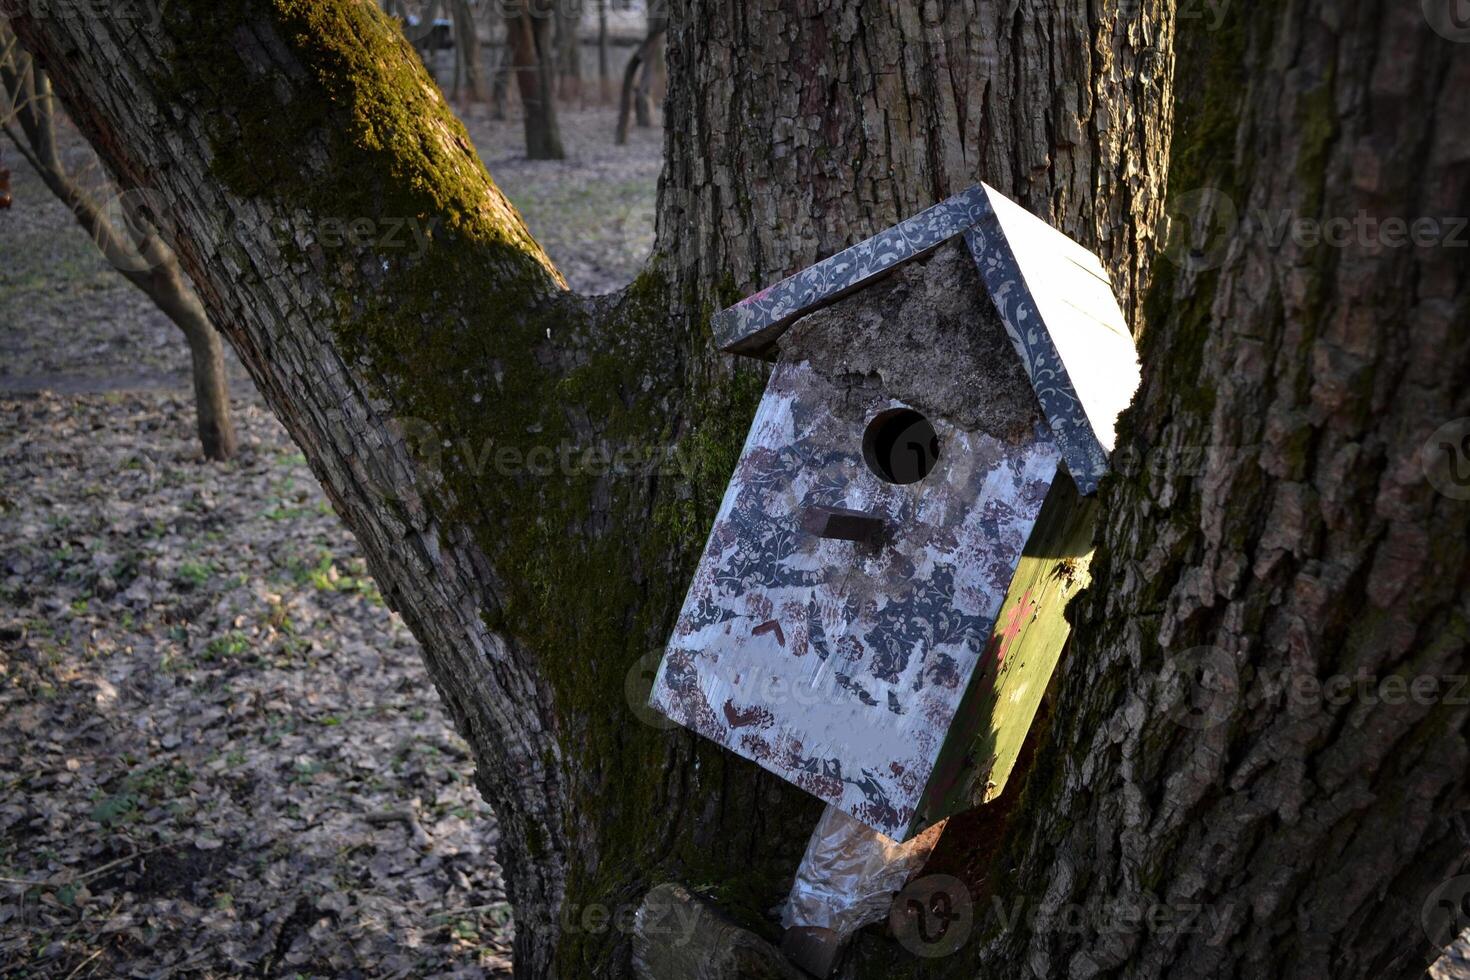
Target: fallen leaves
[[220, 752]]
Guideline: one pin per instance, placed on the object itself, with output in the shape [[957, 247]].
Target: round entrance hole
[[901, 446]]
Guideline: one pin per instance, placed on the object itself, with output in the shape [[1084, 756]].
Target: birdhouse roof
[[1053, 296]]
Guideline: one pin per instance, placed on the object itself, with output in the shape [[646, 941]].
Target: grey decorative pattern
[[836, 619], [1087, 462], [751, 325], [835, 664], [754, 324]]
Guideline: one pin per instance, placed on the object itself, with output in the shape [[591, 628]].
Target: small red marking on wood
[[1018, 616], [770, 626]]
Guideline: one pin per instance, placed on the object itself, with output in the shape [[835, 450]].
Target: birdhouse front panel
[[838, 613], [850, 626]]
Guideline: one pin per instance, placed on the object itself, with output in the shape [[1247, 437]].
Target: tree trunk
[[1273, 525], [504, 67], [643, 91], [138, 255], [569, 49], [528, 32], [638, 78], [604, 70], [467, 43], [464, 433], [207, 359]]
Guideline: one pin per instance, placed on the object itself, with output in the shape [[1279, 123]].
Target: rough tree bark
[[136, 251], [540, 579], [1277, 521]]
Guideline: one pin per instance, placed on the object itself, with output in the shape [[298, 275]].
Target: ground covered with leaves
[[220, 754]]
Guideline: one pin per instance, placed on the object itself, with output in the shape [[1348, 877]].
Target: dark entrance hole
[[901, 446]]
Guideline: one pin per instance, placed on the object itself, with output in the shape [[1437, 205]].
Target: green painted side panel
[[1001, 702]]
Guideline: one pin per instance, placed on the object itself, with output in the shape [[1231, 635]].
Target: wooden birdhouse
[[879, 608]]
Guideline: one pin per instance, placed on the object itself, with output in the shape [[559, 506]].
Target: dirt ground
[[219, 752]]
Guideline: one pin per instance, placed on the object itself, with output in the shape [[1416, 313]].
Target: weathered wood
[[994, 718]]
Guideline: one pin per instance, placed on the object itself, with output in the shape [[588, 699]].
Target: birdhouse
[[878, 610]]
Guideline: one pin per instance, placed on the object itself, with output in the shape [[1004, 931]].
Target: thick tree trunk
[[528, 33], [448, 400], [1275, 528]]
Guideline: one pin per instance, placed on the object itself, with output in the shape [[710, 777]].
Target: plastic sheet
[[850, 873]]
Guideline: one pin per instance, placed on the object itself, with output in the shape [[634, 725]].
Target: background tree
[[604, 71], [468, 49], [136, 250], [1304, 542], [640, 74], [5, 198], [569, 49], [528, 36]]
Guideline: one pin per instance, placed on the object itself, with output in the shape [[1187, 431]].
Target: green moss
[[474, 338], [1202, 156], [363, 134], [1317, 127]]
